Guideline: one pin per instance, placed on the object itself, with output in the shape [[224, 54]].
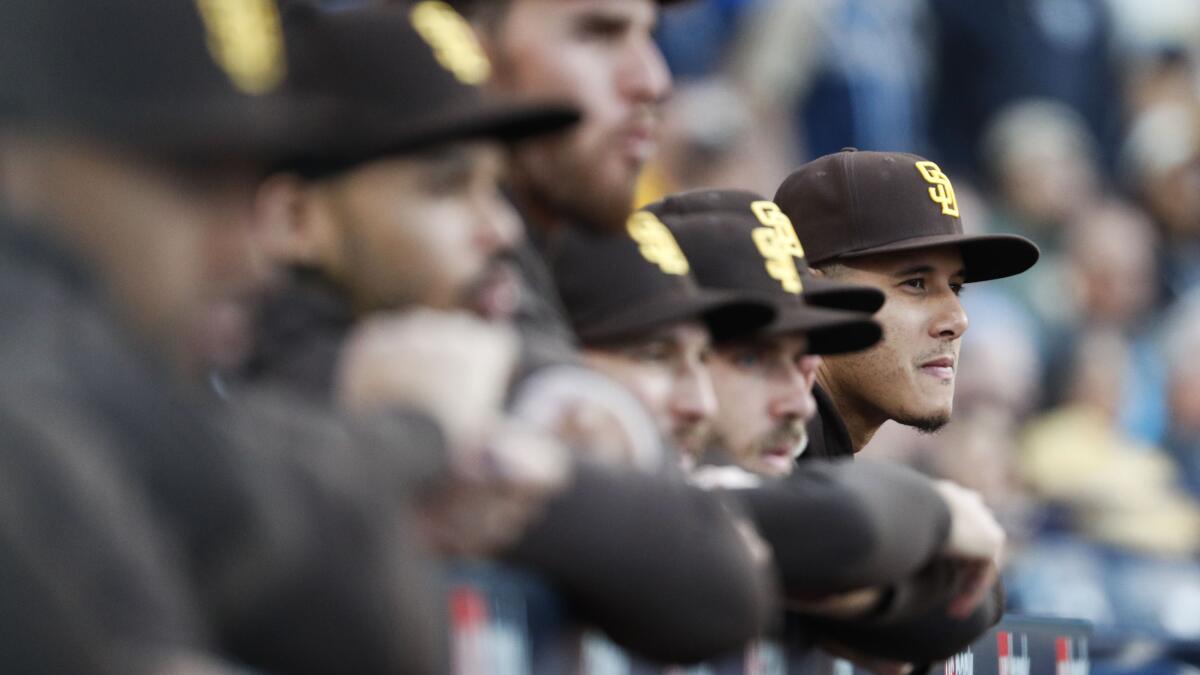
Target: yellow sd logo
[[453, 41], [778, 243], [656, 243], [245, 38], [942, 192]]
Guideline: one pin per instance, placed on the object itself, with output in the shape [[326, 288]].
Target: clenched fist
[[453, 366], [975, 543]]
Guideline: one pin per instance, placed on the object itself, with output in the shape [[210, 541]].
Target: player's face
[[764, 398], [173, 243], [599, 56], [909, 376], [431, 229], [668, 373]]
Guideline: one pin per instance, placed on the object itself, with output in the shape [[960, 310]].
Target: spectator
[[1115, 488], [1181, 340], [1107, 275], [1161, 160], [991, 56], [847, 73], [401, 293]]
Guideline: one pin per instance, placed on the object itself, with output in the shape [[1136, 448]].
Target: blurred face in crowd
[[1050, 186], [1184, 399], [599, 56], [909, 376], [1173, 196], [1111, 261], [173, 243], [764, 398], [429, 229], [1098, 372], [667, 372]]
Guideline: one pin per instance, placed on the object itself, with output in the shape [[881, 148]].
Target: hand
[[974, 532], [591, 414], [973, 581], [452, 366], [487, 505], [975, 543]]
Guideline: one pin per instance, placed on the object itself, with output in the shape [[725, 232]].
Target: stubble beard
[[926, 425], [546, 173], [793, 435]]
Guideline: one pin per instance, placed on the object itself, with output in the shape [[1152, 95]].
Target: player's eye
[[651, 353], [601, 28], [747, 359]]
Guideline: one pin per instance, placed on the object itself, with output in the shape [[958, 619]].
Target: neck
[[861, 420]]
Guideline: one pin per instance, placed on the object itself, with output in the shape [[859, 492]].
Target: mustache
[[937, 354], [791, 434], [692, 437], [503, 261]]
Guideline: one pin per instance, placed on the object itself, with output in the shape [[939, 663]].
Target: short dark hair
[[832, 269]]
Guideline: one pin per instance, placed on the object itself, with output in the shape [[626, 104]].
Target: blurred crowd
[[307, 302], [1075, 123]]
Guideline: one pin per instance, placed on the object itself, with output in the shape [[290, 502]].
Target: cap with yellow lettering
[[401, 78], [618, 288], [852, 204], [194, 79], [739, 241]]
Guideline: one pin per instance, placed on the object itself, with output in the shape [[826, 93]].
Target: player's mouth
[[691, 438], [779, 453], [639, 139], [941, 368], [778, 459], [498, 293]]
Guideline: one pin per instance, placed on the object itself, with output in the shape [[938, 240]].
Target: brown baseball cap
[[192, 81], [621, 287], [740, 241], [400, 79], [854, 203]]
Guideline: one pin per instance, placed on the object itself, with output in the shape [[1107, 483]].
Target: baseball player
[[400, 292], [140, 532], [643, 321], [599, 56], [739, 241], [891, 221]]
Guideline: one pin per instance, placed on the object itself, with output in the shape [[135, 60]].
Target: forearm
[[839, 527], [654, 563], [919, 633]]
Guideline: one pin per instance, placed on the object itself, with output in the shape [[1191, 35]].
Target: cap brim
[[835, 295], [829, 331], [985, 256], [509, 122], [376, 136], [727, 315]]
